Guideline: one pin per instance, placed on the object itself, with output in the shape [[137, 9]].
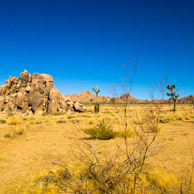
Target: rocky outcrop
[[34, 94], [186, 100]]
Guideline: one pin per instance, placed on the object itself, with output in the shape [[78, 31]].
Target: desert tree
[[97, 105], [173, 95]]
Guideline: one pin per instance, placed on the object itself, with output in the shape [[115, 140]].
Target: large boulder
[[34, 94]]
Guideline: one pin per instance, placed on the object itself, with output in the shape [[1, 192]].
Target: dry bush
[[15, 134], [102, 130]]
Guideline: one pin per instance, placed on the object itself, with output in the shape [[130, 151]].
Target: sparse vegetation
[[102, 130], [10, 114], [61, 121], [16, 133], [173, 166], [2, 121]]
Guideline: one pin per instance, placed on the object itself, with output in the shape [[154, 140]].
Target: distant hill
[[87, 96], [186, 99]]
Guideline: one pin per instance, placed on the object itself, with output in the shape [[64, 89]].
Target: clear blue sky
[[84, 43]]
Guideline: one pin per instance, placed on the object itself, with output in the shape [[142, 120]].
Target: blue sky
[[84, 43]]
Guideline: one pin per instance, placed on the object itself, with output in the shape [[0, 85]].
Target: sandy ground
[[31, 154]]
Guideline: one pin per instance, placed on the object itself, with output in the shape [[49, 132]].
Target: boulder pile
[[34, 94]]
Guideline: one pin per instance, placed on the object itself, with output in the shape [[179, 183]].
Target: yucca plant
[[173, 95]]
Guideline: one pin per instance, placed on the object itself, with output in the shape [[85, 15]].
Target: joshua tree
[[173, 95], [97, 105]]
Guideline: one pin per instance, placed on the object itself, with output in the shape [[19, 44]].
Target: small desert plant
[[163, 120], [44, 114], [91, 122], [162, 182], [61, 121], [14, 122], [102, 131], [58, 113], [76, 121], [10, 114], [127, 133], [15, 134], [2, 121], [38, 122]]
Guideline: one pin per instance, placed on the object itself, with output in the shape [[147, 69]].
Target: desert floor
[[29, 144]]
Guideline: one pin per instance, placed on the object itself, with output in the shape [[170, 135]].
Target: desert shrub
[[105, 176], [7, 135], [16, 133], [76, 121], [58, 113], [151, 123], [10, 114], [180, 118], [2, 121], [126, 134], [137, 122], [14, 122], [44, 114], [187, 116], [163, 120], [163, 182], [91, 122], [102, 131], [154, 129], [61, 121], [38, 122]]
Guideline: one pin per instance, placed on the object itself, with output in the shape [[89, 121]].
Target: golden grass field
[[29, 144]]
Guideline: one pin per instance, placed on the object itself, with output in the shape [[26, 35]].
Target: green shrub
[[58, 113], [44, 114], [102, 131], [15, 134], [8, 135], [128, 133], [76, 121], [38, 122], [2, 121], [61, 121], [10, 114], [14, 123], [162, 120], [91, 122]]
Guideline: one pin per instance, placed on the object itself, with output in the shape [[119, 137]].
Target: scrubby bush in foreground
[[102, 131]]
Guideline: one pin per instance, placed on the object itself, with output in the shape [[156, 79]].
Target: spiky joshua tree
[[173, 95], [97, 105]]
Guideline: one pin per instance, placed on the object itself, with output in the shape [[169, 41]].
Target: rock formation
[[34, 94]]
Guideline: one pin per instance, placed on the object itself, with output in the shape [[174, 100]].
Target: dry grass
[[48, 139]]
